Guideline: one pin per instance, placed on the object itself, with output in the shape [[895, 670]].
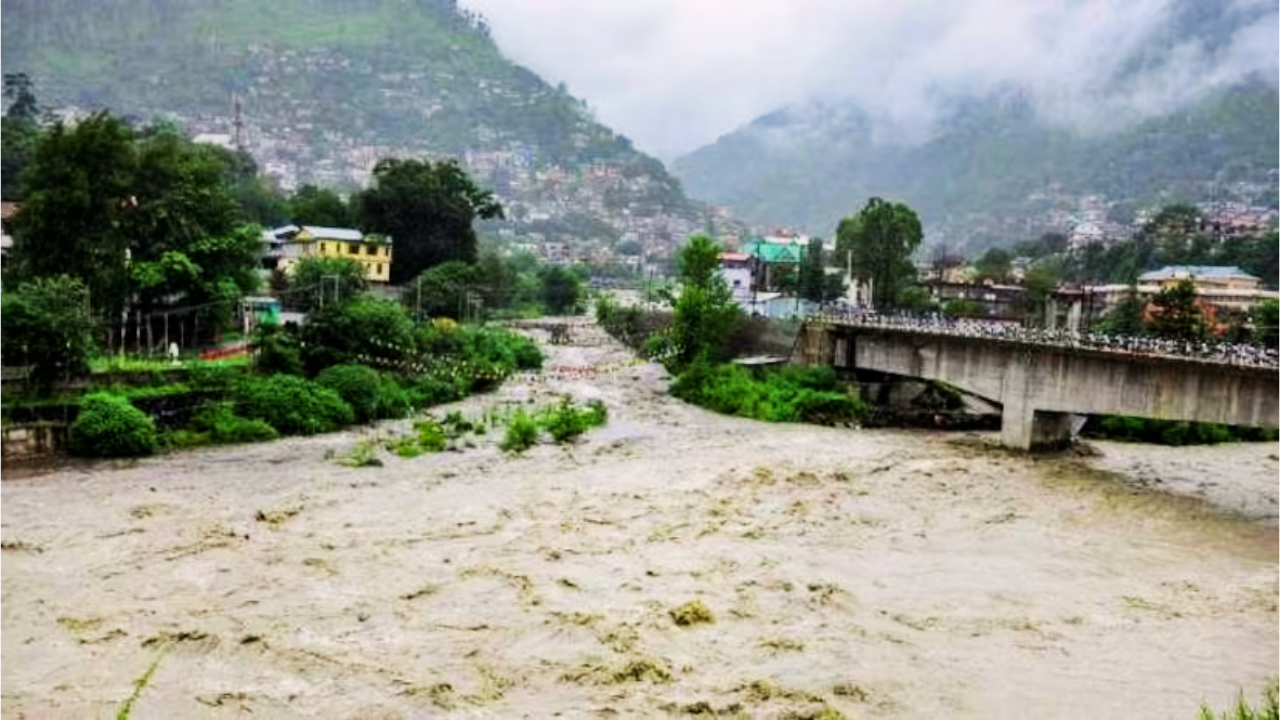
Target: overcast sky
[[676, 74]]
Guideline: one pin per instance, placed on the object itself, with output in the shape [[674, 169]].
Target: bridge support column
[[1026, 428]]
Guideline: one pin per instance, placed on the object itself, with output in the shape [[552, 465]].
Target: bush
[[292, 405], [522, 433], [527, 353], [214, 377], [565, 422], [393, 401], [1171, 432], [428, 390], [358, 385], [220, 423], [431, 437], [108, 426], [788, 395]]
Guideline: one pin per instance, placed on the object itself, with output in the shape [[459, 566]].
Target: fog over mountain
[[675, 74]]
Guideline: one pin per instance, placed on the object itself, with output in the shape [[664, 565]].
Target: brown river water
[[880, 574]]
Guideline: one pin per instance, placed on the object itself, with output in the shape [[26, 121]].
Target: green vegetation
[[292, 405], [789, 394], [992, 162], [704, 315], [1173, 432], [880, 240], [565, 422], [1267, 709], [359, 386], [46, 327], [108, 426], [224, 427], [429, 209], [522, 433]]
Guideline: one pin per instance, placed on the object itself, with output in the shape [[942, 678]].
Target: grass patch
[[692, 613], [641, 669], [522, 433], [782, 645], [1267, 709]]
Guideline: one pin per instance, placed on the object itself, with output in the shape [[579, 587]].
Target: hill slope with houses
[[319, 90]]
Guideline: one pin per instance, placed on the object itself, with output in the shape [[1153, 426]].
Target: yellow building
[[291, 243]]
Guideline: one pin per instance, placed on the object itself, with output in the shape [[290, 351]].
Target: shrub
[[214, 377], [292, 405], [1267, 709], [431, 437], [108, 426], [428, 390], [358, 385], [220, 423], [275, 350], [528, 355], [522, 433], [393, 401], [563, 422], [787, 395]]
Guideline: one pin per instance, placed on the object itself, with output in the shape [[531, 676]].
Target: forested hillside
[[326, 87], [993, 171]]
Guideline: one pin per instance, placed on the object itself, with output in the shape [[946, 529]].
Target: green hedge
[[224, 427], [108, 426], [292, 405]]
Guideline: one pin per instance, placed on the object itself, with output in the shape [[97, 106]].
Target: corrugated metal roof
[[328, 233], [1174, 272]]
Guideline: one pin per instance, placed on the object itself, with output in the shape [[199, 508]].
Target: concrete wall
[[1040, 387]]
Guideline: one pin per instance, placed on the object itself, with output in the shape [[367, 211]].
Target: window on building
[[379, 269], [370, 250], [353, 248]]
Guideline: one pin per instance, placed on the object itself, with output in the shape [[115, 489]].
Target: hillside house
[[289, 244]]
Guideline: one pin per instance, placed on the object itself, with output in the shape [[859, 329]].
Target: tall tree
[[146, 218], [18, 135], [561, 291], [1176, 314], [311, 205], [428, 210], [881, 239], [704, 312], [46, 327], [812, 280], [995, 265]]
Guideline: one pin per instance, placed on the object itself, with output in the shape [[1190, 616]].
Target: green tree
[[704, 312], [1038, 287], [428, 209], [78, 191], [144, 218], [46, 326], [318, 281], [1126, 317], [442, 290], [916, 299], [881, 239], [18, 135], [995, 265], [311, 205], [363, 331], [812, 279], [1266, 323], [1176, 315], [561, 291]]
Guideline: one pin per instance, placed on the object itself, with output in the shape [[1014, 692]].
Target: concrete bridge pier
[[1026, 428]]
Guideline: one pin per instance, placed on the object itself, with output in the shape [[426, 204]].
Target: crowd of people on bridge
[[1199, 350]]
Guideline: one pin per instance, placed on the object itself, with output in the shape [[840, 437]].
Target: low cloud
[[676, 74]]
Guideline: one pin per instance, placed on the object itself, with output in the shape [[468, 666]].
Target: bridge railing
[[1236, 354]]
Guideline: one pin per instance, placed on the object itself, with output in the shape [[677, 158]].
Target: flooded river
[[878, 574]]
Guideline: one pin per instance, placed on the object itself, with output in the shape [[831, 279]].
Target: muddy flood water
[[877, 574]]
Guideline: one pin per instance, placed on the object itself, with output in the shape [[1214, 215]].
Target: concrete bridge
[[1040, 388]]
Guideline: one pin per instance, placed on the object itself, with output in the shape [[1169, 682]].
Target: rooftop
[[1175, 272]]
